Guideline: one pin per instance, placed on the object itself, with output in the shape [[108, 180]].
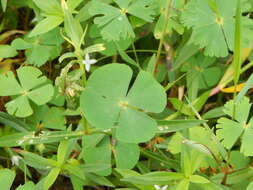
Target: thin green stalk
[[135, 54], [131, 51], [168, 5], [237, 50]]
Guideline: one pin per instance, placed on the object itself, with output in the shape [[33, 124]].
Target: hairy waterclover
[[30, 86], [107, 102]]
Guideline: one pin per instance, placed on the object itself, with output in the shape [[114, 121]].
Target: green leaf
[[198, 179], [230, 130], [41, 48], [159, 178], [238, 160], [50, 178], [46, 25], [62, 152], [132, 123], [211, 28], [114, 23], [126, 155], [51, 118], [92, 154], [7, 51], [250, 186], [48, 6], [32, 85], [20, 44], [4, 4], [107, 91], [244, 90], [13, 122], [72, 26], [37, 161], [6, 178], [201, 73], [166, 126], [100, 180], [27, 186], [29, 138], [183, 185]]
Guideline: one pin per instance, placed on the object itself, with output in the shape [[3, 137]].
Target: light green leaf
[[92, 154], [230, 130], [46, 25], [72, 26], [198, 179], [27, 186], [250, 186], [20, 44], [156, 92], [62, 151], [166, 126], [6, 178], [183, 185], [211, 28], [19, 107], [72, 4], [4, 4], [114, 22], [159, 178], [132, 123], [13, 122], [50, 178], [9, 85], [7, 51], [239, 110], [32, 86], [107, 91], [126, 155], [29, 138], [49, 6]]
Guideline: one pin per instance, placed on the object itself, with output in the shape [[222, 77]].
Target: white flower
[[87, 62], [157, 187], [15, 160]]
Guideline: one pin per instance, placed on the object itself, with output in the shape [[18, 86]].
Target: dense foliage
[[126, 94]]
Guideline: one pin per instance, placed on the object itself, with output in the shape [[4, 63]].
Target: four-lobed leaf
[[107, 102], [30, 86], [40, 49]]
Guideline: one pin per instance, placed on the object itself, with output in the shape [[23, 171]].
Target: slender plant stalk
[[237, 50], [167, 15], [135, 54]]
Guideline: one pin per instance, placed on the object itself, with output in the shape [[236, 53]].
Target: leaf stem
[[169, 2]]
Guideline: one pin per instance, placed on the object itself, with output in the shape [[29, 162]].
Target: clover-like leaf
[[107, 102], [229, 131], [114, 21], [40, 49], [212, 26], [45, 117], [30, 86], [201, 73]]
